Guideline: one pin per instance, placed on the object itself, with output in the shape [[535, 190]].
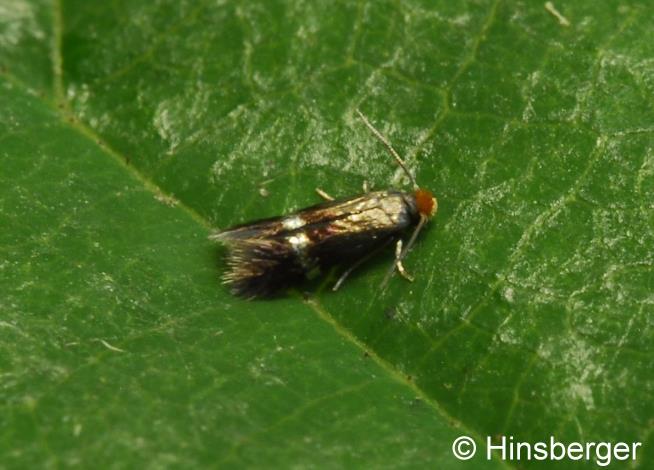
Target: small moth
[[269, 255]]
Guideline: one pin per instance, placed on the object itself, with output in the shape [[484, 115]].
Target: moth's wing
[[281, 226], [362, 226], [370, 220], [267, 255], [345, 241], [260, 267]]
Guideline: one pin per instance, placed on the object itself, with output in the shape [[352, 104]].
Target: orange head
[[426, 203]]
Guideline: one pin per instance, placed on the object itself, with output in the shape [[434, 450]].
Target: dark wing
[[360, 227], [372, 205], [278, 226], [270, 254]]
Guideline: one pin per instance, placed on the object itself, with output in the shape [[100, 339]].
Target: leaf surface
[[129, 129]]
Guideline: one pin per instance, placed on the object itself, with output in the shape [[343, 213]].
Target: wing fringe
[[259, 267]]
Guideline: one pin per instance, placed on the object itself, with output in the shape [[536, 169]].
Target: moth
[[266, 256]]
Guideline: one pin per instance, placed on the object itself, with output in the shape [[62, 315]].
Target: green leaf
[[129, 129]]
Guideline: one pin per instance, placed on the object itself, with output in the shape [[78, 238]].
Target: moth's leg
[[324, 195], [349, 270], [358, 263], [398, 262]]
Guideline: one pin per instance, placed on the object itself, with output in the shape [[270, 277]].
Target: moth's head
[[426, 203]]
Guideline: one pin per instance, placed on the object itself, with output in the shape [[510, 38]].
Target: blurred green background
[[130, 129]]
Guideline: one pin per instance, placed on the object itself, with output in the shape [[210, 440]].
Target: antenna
[[388, 146]]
